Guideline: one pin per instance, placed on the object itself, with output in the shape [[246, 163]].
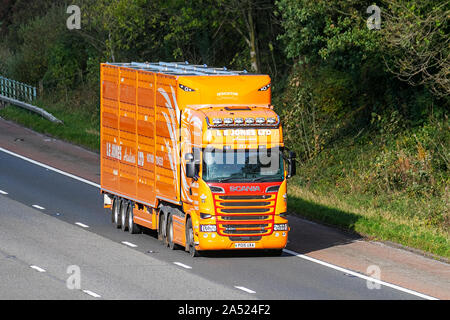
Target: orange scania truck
[[195, 153]]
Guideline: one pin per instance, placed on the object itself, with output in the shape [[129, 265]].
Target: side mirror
[[292, 168], [190, 165]]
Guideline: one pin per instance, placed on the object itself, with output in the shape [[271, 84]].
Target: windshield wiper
[[265, 179], [228, 179]]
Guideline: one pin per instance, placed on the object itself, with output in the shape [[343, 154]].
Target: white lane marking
[[356, 274], [50, 168], [245, 289], [3, 192], [93, 294], [285, 250], [82, 225], [38, 207], [129, 244], [182, 265], [37, 268]]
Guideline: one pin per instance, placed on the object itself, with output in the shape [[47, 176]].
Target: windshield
[[242, 165]]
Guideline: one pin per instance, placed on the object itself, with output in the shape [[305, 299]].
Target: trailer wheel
[[116, 213], [113, 210], [190, 239], [123, 215], [132, 227]]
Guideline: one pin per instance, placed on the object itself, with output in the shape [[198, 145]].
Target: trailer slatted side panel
[[146, 135], [110, 150], [127, 132], [139, 135], [167, 139]]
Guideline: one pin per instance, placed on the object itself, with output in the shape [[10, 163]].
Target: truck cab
[[236, 170]]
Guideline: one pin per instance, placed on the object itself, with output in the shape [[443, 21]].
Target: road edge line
[[50, 168], [359, 275]]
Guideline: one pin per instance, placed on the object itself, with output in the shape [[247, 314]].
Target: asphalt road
[[50, 221]]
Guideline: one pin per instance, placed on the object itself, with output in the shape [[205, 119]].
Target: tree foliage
[[417, 35]]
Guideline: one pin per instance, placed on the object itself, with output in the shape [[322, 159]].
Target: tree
[[417, 35], [243, 15]]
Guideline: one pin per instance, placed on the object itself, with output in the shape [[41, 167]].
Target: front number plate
[[244, 245]]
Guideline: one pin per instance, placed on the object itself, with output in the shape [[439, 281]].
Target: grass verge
[[349, 214]]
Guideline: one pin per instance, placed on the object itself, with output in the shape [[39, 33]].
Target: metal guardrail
[[20, 94], [17, 90]]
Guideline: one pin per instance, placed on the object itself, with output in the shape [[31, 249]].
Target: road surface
[[49, 221]]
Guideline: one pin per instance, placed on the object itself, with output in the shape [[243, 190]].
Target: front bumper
[[213, 241]]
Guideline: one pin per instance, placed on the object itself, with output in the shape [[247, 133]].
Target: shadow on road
[[308, 236]]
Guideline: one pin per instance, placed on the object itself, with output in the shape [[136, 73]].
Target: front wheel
[[190, 245]]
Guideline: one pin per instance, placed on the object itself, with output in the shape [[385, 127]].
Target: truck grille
[[244, 216]]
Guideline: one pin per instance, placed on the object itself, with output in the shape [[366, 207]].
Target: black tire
[[116, 214], [123, 215], [172, 245], [190, 240], [113, 208], [132, 227], [162, 225]]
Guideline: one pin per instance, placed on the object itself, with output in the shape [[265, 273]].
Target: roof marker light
[[260, 120], [271, 120], [228, 121], [265, 88], [249, 120], [184, 88], [238, 121], [217, 121]]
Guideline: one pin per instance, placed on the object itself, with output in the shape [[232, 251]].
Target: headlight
[[280, 227], [217, 189], [208, 228], [205, 215]]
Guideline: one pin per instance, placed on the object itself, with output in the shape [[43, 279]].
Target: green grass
[[352, 214], [80, 124], [363, 186]]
